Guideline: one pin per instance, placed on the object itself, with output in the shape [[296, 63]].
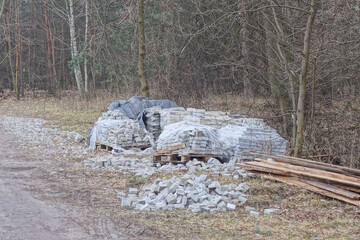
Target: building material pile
[[195, 139], [196, 193], [330, 180], [152, 123], [182, 134], [117, 131]]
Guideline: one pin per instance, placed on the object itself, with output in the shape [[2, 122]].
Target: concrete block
[[179, 205], [133, 190], [173, 187], [254, 214], [184, 201], [125, 202], [180, 191], [231, 206], [248, 209], [160, 205], [171, 198], [272, 211], [214, 185], [242, 199], [195, 197]]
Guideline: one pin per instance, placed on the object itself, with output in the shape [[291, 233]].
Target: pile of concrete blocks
[[236, 136], [196, 193], [115, 130], [199, 139], [239, 140], [140, 167], [152, 122], [172, 115]]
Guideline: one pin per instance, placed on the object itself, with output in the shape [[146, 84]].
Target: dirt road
[[41, 197]]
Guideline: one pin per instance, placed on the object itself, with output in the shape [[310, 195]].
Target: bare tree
[[302, 81], [141, 62], [74, 50]]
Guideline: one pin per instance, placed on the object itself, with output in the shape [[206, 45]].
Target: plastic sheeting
[[134, 108]]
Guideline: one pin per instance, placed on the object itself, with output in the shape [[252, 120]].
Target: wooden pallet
[[101, 146], [179, 158]]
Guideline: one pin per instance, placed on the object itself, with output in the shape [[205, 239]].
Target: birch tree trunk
[[302, 79], [74, 50], [86, 45], [141, 62], [2, 8]]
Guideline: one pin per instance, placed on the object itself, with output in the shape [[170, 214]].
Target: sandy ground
[[36, 202]]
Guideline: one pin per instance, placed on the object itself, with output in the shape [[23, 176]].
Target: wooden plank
[[316, 166], [310, 170], [308, 187], [301, 160], [168, 150], [261, 169], [333, 189], [318, 175]]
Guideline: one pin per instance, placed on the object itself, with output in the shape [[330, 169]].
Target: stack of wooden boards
[[330, 180]]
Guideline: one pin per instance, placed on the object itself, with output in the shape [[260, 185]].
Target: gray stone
[[121, 194], [231, 206], [242, 199], [216, 199], [254, 214], [184, 201], [214, 161], [78, 138], [125, 202], [242, 187], [222, 205], [195, 197], [202, 178], [173, 187], [214, 185], [272, 211], [195, 207], [162, 186], [179, 205], [180, 191], [179, 199], [142, 207], [133, 190], [218, 191], [160, 205], [247, 208], [171, 198]]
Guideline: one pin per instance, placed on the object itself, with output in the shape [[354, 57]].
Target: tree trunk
[[86, 46], [141, 62], [8, 9], [2, 8], [245, 52], [74, 50], [48, 52], [302, 79], [18, 50]]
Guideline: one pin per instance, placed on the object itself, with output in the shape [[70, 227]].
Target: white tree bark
[[86, 43], [74, 50]]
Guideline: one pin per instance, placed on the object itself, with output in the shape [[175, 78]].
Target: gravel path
[[40, 195]]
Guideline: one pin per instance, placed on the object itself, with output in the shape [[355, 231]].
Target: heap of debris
[[197, 193]]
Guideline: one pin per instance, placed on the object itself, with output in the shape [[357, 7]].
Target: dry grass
[[304, 215]]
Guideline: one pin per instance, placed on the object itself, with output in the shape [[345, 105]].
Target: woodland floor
[[47, 194]]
